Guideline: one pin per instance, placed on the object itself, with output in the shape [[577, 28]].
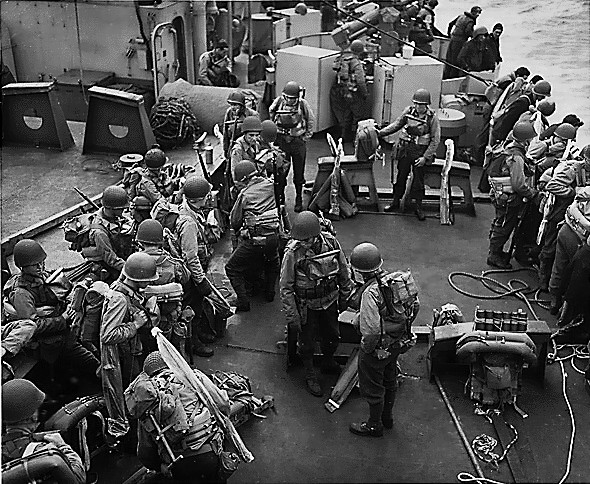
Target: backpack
[[131, 178], [77, 231], [493, 161]]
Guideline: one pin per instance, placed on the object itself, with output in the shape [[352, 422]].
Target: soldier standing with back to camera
[[416, 147], [349, 91], [295, 123]]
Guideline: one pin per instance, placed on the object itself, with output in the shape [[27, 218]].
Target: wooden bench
[[459, 176], [359, 174]]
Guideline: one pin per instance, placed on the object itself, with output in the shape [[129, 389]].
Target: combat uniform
[[154, 185], [254, 218], [244, 151], [232, 126]]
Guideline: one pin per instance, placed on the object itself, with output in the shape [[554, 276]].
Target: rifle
[[86, 198], [196, 143], [446, 201]]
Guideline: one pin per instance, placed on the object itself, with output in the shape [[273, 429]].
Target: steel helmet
[[196, 187], [269, 130], [141, 203], [357, 46], [28, 252], [546, 107], [140, 267], [421, 96], [523, 131], [236, 97], [155, 157], [585, 153], [542, 88], [251, 124], [565, 131], [243, 170], [150, 231], [366, 257], [480, 31], [114, 197], [20, 399], [291, 89], [301, 8], [305, 226], [154, 363]]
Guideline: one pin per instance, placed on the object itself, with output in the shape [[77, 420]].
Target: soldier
[[173, 321], [511, 180], [215, 67], [475, 54], [254, 217], [184, 241], [154, 183], [566, 177], [247, 146], [273, 159], [570, 238], [314, 281], [547, 154], [416, 147], [295, 123], [384, 325], [51, 336], [123, 315], [233, 119], [190, 432], [140, 208], [110, 233], [459, 30], [349, 92], [21, 400]]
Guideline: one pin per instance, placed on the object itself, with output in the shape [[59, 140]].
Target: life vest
[[498, 169], [577, 215], [316, 276], [290, 119], [417, 129], [47, 464]]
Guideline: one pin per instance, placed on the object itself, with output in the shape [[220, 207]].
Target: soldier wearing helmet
[[110, 232], [150, 238], [21, 400], [273, 159], [295, 124], [564, 180], [247, 146], [460, 29], [476, 54], [547, 154], [512, 182], [184, 244], [349, 93], [154, 183], [505, 119], [233, 119], [31, 299], [123, 315], [416, 147], [255, 219], [314, 284], [384, 324]]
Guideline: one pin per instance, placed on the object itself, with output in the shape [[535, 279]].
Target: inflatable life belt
[[478, 342], [70, 415], [47, 464]]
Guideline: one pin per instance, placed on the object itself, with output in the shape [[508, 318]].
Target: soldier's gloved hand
[[69, 314], [342, 304], [55, 438], [420, 162], [139, 319], [204, 287]]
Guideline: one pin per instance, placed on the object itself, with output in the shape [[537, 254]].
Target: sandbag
[[208, 103]]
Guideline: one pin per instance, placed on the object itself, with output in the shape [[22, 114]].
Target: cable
[[80, 52]]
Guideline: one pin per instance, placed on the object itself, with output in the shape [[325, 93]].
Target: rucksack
[[493, 161], [77, 231], [131, 178]]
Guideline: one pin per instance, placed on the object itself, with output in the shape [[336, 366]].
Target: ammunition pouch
[[501, 187], [322, 289]]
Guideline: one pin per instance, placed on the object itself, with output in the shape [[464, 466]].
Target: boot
[[419, 212], [373, 427], [330, 365], [298, 199], [555, 305], [201, 350], [311, 379], [387, 415], [498, 261], [543, 276], [394, 205]]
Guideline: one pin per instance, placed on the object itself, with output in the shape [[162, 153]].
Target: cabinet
[[396, 80], [312, 68]]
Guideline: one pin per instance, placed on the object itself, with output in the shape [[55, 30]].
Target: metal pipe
[[250, 40], [199, 30], [230, 40], [459, 428], [487, 82]]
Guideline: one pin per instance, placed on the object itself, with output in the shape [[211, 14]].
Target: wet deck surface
[[302, 442]]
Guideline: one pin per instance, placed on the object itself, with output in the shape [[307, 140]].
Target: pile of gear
[[173, 122]]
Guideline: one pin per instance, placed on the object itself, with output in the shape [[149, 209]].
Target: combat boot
[[312, 383], [394, 205], [298, 199], [555, 305], [419, 212], [202, 350], [387, 415], [330, 365], [373, 427], [498, 261]]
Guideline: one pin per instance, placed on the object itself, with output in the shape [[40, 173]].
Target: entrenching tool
[[347, 381]]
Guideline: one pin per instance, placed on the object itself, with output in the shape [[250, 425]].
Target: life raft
[[47, 464], [478, 342]]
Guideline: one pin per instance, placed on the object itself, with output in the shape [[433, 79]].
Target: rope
[[578, 351], [515, 287], [483, 446]]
